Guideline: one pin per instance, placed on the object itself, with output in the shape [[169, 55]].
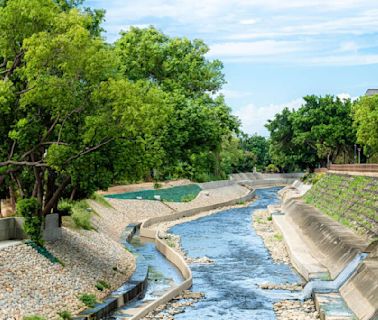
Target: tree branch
[[88, 150], [23, 163]]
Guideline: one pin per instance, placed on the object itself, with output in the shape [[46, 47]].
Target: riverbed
[[241, 264]]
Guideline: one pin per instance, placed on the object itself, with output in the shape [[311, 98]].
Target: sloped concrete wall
[[361, 291], [335, 244]]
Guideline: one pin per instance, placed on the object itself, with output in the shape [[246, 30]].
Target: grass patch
[[34, 318], [175, 194], [81, 215], [102, 285], [278, 236], [101, 200], [65, 315], [88, 299]]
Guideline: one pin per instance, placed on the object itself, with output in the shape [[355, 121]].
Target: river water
[[231, 284], [242, 262]]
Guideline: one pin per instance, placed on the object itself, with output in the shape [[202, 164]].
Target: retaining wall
[[265, 176], [363, 167], [335, 244], [11, 229], [361, 291]]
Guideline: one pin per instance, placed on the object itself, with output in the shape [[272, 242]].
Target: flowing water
[[242, 263]]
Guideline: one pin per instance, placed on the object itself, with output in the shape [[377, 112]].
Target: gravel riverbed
[[285, 309]]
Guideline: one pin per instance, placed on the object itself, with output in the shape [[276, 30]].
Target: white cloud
[[254, 117], [345, 96], [249, 21], [318, 32], [256, 48]]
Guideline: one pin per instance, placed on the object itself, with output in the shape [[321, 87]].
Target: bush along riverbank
[[88, 265], [273, 240]]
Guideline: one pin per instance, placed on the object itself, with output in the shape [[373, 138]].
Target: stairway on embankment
[[322, 248]]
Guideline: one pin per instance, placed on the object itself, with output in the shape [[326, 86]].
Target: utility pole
[[355, 153]]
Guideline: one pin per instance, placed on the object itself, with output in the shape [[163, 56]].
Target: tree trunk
[[56, 196]]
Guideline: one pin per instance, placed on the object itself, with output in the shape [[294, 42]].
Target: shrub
[[157, 185], [102, 285], [33, 318], [312, 178], [81, 215], [271, 168], [88, 299], [65, 315], [65, 207], [101, 200], [29, 209]]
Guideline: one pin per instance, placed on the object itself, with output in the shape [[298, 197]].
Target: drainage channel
[[162, 275]]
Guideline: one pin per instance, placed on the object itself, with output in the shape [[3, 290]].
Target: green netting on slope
[[43, 251], [174, 194]]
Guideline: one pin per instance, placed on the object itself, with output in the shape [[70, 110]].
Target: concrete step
[[9, 243], [331, 306], [302, 259]]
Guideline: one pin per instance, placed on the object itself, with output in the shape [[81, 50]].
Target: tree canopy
[[78, 114], [321, 130], [365, 114]]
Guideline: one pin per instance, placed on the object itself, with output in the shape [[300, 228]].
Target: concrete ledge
[[300, 254], [11, 229], [361, 290], [331, 306], [148, 233], [133, 289], [333, 244], [176, 259]]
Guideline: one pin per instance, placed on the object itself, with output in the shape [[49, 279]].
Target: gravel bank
[[32, 285], [286, 309], [272, 238]]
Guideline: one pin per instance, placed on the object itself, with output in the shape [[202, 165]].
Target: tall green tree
[[365, 115], [256, 149], [68, 119], [193, 135], [320, 131]]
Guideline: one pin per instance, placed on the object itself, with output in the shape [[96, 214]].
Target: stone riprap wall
[[351, 200]]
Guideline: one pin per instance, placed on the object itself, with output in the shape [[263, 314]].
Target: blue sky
[[274, 52]]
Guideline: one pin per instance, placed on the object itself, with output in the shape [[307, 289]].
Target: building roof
[[371, 92]]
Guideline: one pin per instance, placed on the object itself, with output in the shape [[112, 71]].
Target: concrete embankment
[[321, 248]]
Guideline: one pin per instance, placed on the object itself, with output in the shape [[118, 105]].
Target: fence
[[365, 167]]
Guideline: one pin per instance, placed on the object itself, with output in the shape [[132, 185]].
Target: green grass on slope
[[175, 194], [351, 200]]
